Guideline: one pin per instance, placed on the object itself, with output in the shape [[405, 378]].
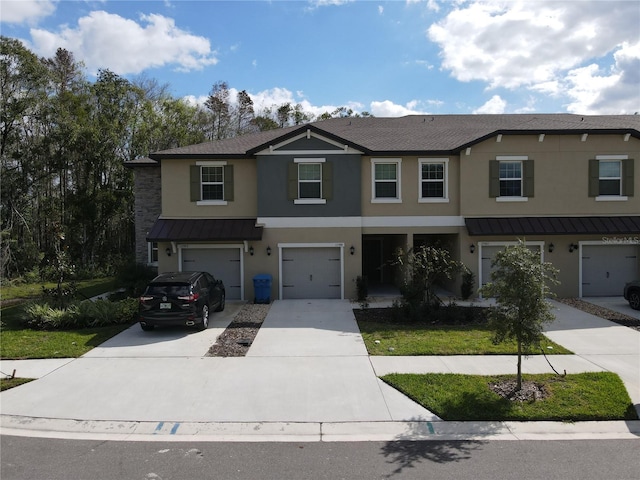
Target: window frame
[[217, 164], [445, 180], [526, 178], [152, 247], [204, 183], [624, 163], [398, 181], [311, 200]]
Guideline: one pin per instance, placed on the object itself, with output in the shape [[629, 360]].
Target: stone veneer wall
[[148, 206]]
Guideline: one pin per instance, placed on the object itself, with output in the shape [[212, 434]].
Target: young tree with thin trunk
[[520, 286]]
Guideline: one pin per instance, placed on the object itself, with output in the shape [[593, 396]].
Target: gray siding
[[273, 187]]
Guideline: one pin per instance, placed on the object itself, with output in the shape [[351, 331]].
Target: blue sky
[[389, 58]]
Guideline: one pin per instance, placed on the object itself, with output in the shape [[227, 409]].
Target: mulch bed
[[237, 338]]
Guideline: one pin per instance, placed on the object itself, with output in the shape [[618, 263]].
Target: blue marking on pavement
[[430, 427], [159, 427], [174, 429]]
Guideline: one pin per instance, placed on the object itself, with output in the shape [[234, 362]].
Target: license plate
[[165, 306]]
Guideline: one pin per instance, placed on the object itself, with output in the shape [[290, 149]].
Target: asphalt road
[[37, 458]]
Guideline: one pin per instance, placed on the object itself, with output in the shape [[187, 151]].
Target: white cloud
[[25, 11], [544, 46], [105, 40], [494, 105], [387, 108]]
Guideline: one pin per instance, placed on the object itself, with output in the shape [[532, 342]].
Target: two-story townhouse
[[318, 205]]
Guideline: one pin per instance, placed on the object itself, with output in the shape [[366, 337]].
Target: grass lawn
[[7, 383], [17, 342], [427, 339], [579, 397]]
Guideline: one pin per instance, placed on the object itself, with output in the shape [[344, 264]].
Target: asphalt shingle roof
[[415, 133]]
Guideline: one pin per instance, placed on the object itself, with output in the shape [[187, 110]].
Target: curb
[[313, 431]]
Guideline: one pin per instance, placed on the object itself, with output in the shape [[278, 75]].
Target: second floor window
[[611, 177], [385, 180], [433, 180], [213, 183], [309, 180], [510, 179]]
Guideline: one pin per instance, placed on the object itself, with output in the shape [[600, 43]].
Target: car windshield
[[168, 290]]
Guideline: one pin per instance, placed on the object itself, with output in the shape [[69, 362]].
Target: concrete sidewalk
[[306, 376]]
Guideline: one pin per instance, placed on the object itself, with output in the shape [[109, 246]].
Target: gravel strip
[[237, 338], [598, 311]]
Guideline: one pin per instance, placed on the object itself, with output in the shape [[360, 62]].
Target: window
[[511, 178], [433, 180], [211, 183], [611, 177], [152, 253], [385, 175], [310, 181]]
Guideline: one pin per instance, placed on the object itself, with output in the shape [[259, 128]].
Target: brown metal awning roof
[[554, 226], [204, 229]]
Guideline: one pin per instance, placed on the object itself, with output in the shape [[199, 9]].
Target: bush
[[86, 314], [468, 280], [134, 277]]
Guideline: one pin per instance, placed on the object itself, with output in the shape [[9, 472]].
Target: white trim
[[445, 180], [211, 202], [150, 254], [612, 157], [239, 246], [511, 158], [398, 197], [309, 201], [612, 198], [359, 222], [538, 243], [512, 199], [211, 163], [309, 160], [414, 221], [310, 222], [341, 150], [282, 246]]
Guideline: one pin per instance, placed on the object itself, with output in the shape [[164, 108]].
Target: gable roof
[[434, 134]]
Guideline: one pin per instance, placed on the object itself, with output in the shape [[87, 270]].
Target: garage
[[311, 272], [488, 253], [606, 268], [222, 263]]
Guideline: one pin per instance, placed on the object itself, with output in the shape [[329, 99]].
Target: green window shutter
[[327, 181], [527, 178], [196, 189], [494, 178], [228, 183], [594, 178], [292, 179], [627, 177]]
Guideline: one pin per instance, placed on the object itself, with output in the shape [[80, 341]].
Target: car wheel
[[634, 300], [221, 305], [146, 328], [205, 318]]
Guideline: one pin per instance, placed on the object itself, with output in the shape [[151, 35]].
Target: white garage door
[[606, 268], [311, 272], [222, 263], [489, 254]]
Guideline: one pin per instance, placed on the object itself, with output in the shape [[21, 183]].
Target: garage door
[[489, 254], [311, 273], [606, 268], [222, 263]]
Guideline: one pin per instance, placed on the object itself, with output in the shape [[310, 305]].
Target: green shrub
[[468, 280], [134, 277], [86, 314]]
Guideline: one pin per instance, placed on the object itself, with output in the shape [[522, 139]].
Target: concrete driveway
[[307, 364], [617, 304]]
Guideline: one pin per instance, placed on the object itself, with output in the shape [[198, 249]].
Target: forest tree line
[[65, 194]]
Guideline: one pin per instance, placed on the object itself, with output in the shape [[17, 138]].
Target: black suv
[[632, 294], [183, 298]]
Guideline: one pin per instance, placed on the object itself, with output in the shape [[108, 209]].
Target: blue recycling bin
[[262, 288]]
